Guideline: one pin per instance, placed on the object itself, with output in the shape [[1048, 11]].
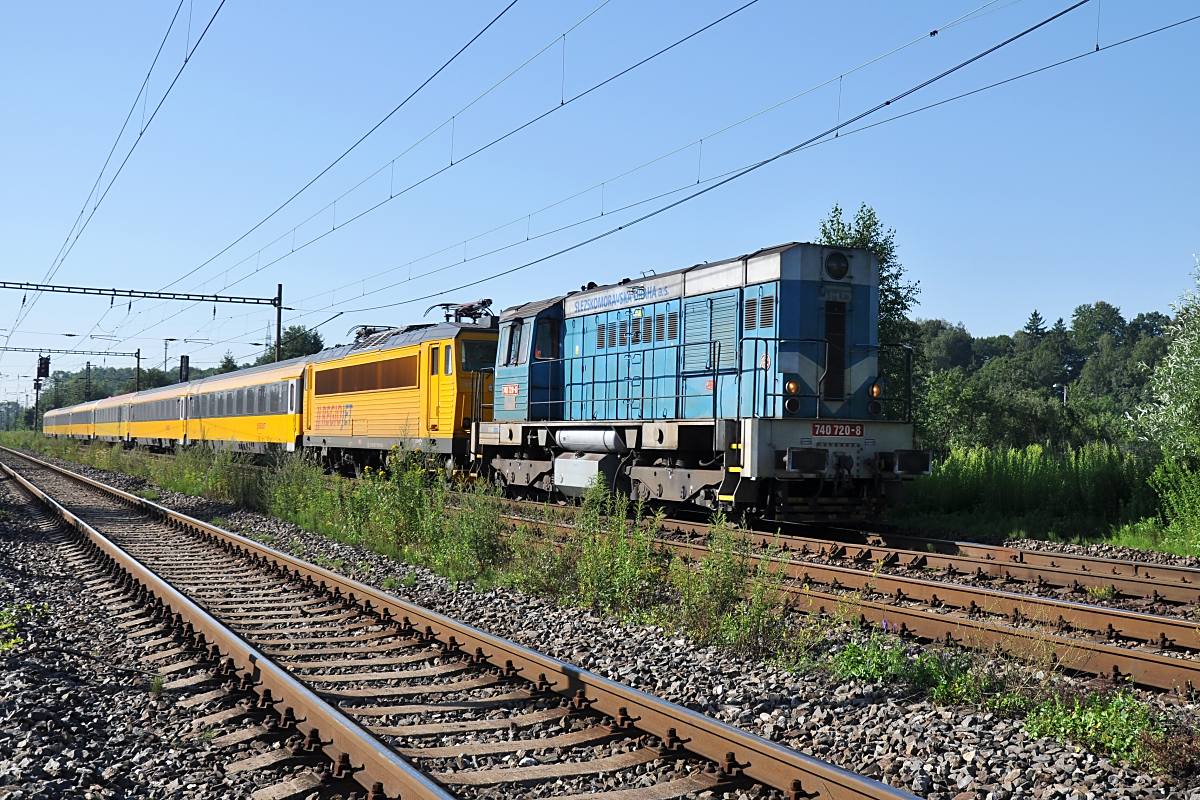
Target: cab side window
[[516, 342], [434, 354], [449, 370], [545, 342]]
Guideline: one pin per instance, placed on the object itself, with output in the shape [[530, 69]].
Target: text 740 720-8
[[837, 429]]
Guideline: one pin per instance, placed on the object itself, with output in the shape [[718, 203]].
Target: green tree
[[950, 347], [1035, 327], [897, 295], [1148, 325], [1172, 417], [228, 364], [1093, 320], [297, 341]]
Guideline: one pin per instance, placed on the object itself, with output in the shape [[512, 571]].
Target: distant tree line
[[1008, 390]]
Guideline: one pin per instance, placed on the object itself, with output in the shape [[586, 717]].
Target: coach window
[[449, 370], [545, 342], [292, 397], [434, 355]]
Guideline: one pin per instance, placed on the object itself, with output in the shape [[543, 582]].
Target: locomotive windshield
[[477, 354]]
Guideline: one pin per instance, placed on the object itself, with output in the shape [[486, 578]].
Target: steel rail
[[375, 766], [1094, 657], [1156, 629], [736, 752], [1127, 578], [1114, 623], [1150, 669], [1100, 566]]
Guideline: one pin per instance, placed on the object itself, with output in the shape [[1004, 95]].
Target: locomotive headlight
[[791, 387], [836, 265], [876, 390]]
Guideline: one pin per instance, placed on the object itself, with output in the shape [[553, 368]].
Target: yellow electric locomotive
[[417, 387]]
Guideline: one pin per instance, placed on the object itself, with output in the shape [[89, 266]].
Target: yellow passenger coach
[[251, 410], [69, 423], [112, 418], [156, 416]]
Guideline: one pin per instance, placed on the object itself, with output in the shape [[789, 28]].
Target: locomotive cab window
[[449, 365], [545, 340], [477, 355], [515, 353], [434, 354]]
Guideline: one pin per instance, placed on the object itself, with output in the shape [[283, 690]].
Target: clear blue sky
[[1072, 186]]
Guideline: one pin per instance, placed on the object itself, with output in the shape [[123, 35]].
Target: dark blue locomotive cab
[[749, 383]]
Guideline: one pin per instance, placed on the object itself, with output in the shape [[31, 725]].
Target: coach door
[[433, 391]]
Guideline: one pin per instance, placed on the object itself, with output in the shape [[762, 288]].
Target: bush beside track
[[613, 568]]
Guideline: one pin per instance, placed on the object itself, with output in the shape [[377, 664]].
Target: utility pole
[[37, 396], [87, 382], [137, 370], [279, 322]]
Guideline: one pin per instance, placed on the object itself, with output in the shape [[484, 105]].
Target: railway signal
[[37, 393]]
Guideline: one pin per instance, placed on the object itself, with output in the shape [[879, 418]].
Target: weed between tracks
[[610, 565], [13, 620]]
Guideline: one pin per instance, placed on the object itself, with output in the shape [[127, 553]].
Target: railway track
[[1065, 574], [1151, 649], [1155, 586], [389, 698]]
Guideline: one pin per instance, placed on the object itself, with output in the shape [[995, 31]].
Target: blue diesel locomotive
[[751, 384]]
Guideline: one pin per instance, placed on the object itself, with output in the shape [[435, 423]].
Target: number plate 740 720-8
[[837, 429]]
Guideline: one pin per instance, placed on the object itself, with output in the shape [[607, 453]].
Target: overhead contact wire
[[351, 148], [477, 151], [851, 131], [746, 170]]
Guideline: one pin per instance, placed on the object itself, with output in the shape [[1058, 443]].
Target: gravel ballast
[[945, 753], [77, 718]]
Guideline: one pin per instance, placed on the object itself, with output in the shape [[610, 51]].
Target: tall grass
[[1038, 488], [400, 512], [1177, 529], [727, 598]]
